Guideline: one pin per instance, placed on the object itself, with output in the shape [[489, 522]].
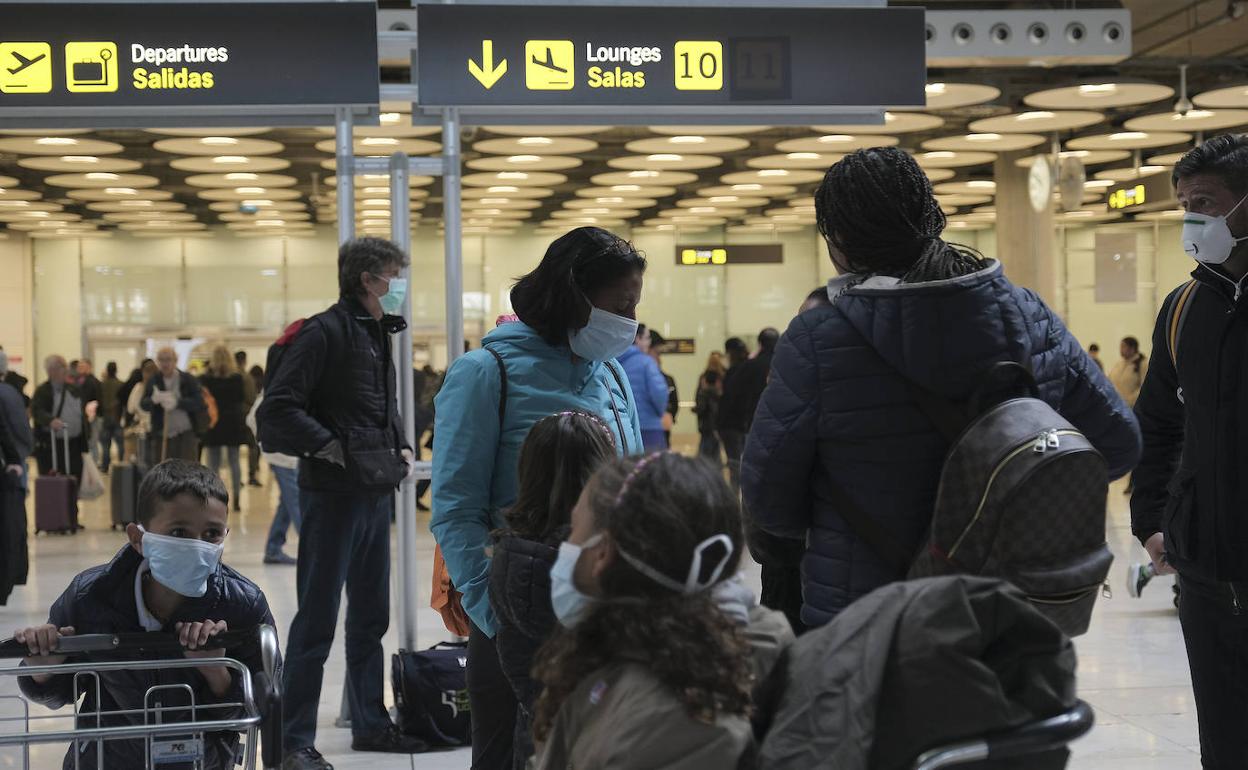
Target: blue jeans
[[344, 540], [287, 512], [653, 440], [110, 432], [214, 462]]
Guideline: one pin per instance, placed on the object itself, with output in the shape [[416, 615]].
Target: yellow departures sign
[[487, 73], [25, 68]]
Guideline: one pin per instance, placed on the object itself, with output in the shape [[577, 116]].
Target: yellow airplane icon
[[25, 68]]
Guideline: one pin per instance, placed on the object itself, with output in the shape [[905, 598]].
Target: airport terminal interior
[[121, 240]]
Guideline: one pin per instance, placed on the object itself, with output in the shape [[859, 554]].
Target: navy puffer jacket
[[838, 410]]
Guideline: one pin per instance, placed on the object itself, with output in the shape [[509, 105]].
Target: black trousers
[[1216, 632], [344, 540], [493, 705], [734, 447]]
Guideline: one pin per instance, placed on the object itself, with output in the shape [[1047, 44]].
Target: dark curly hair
[[658, 516], [876, 208], [1225, 156], [559, 455], [555, 296]]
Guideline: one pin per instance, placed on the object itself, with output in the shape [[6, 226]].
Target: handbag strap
[[502, 387], [619, 422]]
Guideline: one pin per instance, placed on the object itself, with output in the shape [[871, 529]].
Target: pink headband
[[634, 474], [595, 418]]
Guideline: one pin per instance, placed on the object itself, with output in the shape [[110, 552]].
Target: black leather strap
[[502, 391]]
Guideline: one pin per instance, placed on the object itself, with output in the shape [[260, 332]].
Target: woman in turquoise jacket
[[577, 313]]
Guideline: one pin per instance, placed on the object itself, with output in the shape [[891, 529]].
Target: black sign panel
[[146, 57], [1150, 193], [765, 254], [608, 56]]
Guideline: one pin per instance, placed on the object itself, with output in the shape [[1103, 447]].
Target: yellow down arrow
[[486, 73]]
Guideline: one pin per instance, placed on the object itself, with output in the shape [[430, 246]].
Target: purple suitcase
[[56, 504]]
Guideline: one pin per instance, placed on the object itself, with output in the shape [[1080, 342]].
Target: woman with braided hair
[[839, 421]]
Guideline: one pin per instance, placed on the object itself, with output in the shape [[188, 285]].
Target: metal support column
[[405, 498], [344, 169], [452, 220]]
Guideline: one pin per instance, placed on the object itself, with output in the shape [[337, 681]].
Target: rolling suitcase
[[56, 509], [123, 485]]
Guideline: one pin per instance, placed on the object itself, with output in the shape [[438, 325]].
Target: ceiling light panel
[[1043, 121], [665, 161], [540, 145], [796, 160], [836, 143], [1193, 120], [894, 123], [1128, 140], [101, 179], [644, 178], [950, 96], [384, 145], [228, 163], [1234, 97], [987, 142], [514, 179], [1098, 95], [218, 146], [525, 162], [688, 143]]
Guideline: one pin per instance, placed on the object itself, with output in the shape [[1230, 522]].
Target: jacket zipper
[[1236, 607], [1049, 439]]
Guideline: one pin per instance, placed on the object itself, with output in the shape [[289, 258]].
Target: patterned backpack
[[1022, 497]]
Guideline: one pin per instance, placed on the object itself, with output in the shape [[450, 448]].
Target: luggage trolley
[[1028, 740], [258, 715]]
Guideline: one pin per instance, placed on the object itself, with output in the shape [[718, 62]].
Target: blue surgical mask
[[181, 564], [570, 604], [392, 300], [605, 337]]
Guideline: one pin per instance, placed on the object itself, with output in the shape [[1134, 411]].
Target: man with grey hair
[[175, 401], [59, 411], [10, 377], [330, 400]]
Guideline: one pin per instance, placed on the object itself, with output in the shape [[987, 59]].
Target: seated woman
[[650, 671], [556, 461]]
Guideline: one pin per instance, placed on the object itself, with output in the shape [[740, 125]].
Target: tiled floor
[[1133, 668]]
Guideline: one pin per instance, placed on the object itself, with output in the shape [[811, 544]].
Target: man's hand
[[42, 642], [1156, 547], [409, 460], [332, 452], [15, 469], [57, 424], [193, 637]]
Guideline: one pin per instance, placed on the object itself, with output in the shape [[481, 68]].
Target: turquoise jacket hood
[[475, 454]]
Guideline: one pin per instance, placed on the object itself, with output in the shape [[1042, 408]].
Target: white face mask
[[181, 564], [1209, 239], [569, 603], [605, 337]]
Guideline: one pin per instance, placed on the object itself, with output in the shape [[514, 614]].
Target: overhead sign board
[[1150, 193], [226, 59], [587, 56], [764, 254]]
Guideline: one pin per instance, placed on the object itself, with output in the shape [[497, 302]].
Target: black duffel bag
[[431, 694]]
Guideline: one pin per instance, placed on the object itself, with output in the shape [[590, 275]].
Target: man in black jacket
[[743, 387], [331, 400], [175, 400], [59, 411], [1190, 508]]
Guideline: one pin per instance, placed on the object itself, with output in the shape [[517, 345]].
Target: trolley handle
[[134, 643], [1030, 739]]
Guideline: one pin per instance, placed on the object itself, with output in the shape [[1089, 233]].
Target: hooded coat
[[838, 410]]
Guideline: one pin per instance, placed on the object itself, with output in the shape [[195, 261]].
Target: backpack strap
[[1176, 317], [867, 529], [619, 422], [502, 389]]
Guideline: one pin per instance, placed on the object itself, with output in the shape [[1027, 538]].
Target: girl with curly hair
[[653, 668]]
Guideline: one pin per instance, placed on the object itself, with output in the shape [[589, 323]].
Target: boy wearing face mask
[[168, 578], [1190, 508]]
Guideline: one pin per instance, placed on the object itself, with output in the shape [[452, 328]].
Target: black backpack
[[1022, 496], [431, 694]]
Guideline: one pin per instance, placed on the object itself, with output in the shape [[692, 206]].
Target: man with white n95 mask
[[1190, 508]]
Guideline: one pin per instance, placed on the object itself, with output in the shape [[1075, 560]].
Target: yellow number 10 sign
[[699, 65]]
